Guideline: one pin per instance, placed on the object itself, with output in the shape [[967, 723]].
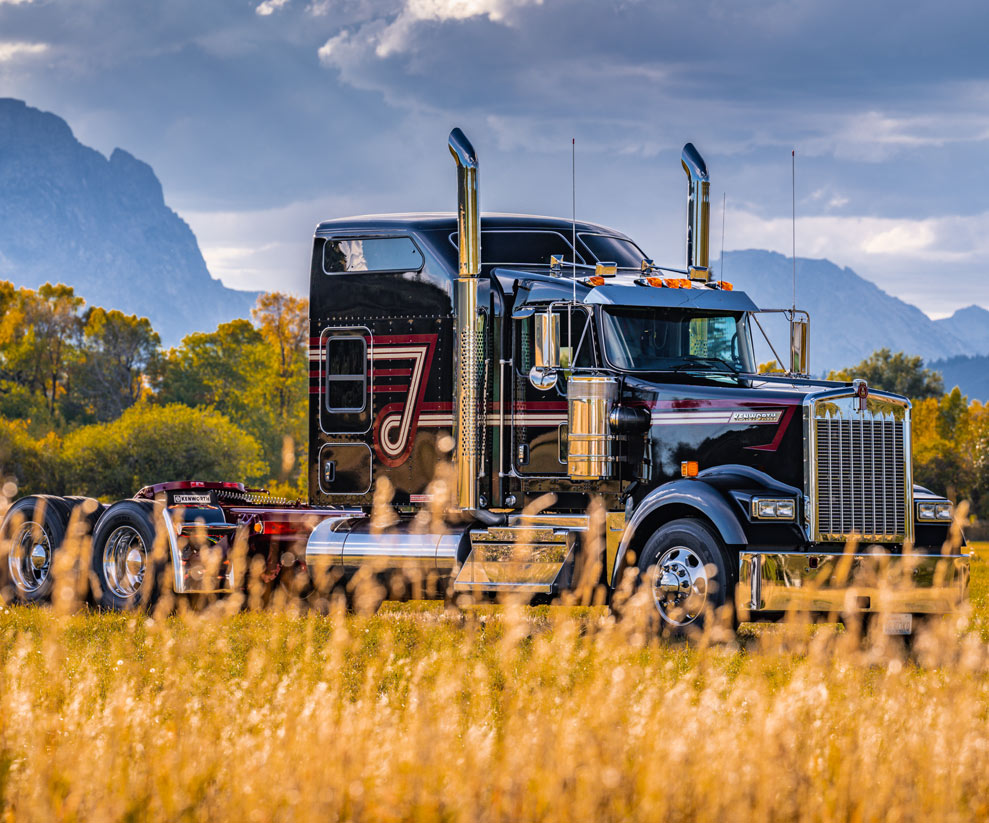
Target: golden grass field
[[497, 714]]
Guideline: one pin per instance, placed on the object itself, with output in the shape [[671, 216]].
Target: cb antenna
[[724, 206], [573, 250], [573, 204], [793, 221]]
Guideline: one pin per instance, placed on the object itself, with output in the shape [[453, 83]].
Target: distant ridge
[[970, 374], [68, 214], [850, 316], [971, 324]]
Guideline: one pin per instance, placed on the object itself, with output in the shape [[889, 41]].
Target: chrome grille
[[863, 476]]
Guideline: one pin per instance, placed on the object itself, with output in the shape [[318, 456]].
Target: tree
[[56, 325], [222, 370], [284, 324], [898, 373], [117, 350], [151, 444], [236, 371], [38, 334], [29, 465], [942, 461]]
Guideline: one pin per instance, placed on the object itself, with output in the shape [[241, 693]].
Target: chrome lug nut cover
[[680, 586]]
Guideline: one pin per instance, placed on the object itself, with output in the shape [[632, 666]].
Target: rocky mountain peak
[[68, 214]]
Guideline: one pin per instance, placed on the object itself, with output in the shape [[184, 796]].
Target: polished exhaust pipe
[[468, 348], [698, 213]]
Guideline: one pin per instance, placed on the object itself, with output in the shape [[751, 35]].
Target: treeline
[[91, 403]]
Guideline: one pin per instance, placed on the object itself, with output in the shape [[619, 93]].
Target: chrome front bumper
[[843, 583]]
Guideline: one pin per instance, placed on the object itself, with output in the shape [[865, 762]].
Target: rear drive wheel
[[685, 569], [127, 573], [33, 530]]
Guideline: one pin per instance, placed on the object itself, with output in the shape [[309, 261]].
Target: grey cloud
[[241, 113]]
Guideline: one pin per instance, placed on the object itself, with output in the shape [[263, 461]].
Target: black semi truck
[[551, 364]]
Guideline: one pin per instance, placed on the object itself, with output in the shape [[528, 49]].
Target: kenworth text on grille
[[552, 364]]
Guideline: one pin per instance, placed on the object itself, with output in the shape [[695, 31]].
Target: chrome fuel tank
[[350, 543]]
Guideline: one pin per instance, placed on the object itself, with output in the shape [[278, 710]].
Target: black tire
[[33, 531], [126, 573], [688, 554], [92, 509]]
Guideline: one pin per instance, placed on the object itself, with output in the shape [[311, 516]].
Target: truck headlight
[[935, 512], [774, 508]]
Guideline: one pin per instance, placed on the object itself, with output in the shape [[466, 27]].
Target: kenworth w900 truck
[[552, 364]]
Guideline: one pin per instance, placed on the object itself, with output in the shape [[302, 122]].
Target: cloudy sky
[[262, 117]]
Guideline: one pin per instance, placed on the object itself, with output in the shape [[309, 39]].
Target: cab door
[[539, 417]]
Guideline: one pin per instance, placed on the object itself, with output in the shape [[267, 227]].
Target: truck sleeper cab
[[551, 365]]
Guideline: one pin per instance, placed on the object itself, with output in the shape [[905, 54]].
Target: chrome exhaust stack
[[468, 348], [698, 213]]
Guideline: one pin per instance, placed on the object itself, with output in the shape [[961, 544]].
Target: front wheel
[[686, 571], [127, 573]]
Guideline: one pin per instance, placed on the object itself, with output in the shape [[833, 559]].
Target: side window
[[346, 374], [345, 380]]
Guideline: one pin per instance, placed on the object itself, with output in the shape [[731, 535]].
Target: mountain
[[970, 374], [68, 214], [970, 324], [850, 317]]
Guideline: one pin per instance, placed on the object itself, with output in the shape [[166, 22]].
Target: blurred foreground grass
[[497, 714]]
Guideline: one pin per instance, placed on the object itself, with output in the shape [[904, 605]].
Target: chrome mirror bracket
[[543, 377]]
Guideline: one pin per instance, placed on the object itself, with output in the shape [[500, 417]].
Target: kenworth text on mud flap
[[545, 356]]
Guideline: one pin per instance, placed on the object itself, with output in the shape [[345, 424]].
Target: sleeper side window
[[371, 254], [346, 374]]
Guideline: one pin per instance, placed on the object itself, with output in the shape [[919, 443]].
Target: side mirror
[[547, 339], [800, 344], [543, 374]]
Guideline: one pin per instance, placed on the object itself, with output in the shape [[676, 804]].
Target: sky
[[262, 117]]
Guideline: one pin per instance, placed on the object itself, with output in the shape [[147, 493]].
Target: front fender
[[676, 496]]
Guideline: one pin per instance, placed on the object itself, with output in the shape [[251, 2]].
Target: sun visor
[[667, 298]]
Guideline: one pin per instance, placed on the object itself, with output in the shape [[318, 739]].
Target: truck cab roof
[[435, 221], [516, 250]]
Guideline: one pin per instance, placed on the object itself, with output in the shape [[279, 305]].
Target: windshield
[[676, 340]]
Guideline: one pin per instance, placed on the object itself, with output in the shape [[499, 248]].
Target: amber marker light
[[595, 280], [677, 282], [727, 286], [689, 468]]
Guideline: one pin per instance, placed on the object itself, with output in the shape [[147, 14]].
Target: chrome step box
[[530, 555]]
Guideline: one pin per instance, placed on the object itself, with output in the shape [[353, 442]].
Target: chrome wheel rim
[[125, 558], [30, 558], [680, 586]]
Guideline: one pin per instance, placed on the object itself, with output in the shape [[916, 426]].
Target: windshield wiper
[[699, 361]]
